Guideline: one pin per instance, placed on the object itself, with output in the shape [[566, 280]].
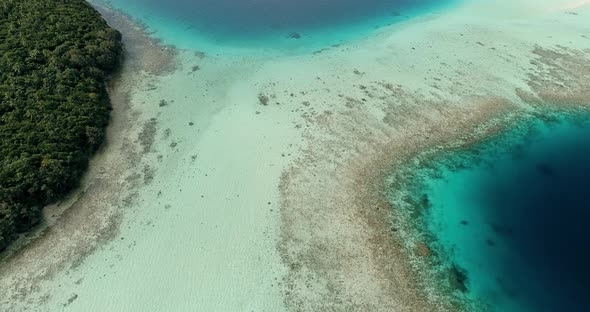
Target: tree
[[54, 58]]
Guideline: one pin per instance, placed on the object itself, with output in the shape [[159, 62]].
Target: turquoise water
[[512, 214], [263, 24]]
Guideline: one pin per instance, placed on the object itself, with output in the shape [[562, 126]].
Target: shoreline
[[171, 175], [90, 215]]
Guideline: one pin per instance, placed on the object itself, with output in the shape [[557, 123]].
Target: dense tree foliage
[[54, 59]]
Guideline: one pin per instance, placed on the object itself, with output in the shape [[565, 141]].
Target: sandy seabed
[[257, 183]]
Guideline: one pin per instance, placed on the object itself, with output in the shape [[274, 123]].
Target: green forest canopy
[[54, 58]]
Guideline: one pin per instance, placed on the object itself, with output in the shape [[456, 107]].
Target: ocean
[[218, 25], [510, 214]]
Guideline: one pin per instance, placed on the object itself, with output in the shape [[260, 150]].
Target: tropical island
[[55, 57]]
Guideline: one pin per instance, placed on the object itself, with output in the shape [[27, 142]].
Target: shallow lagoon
[[512, 213], [187, 241]]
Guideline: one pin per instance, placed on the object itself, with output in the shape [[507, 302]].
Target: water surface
[[269, 23], [513, 214]]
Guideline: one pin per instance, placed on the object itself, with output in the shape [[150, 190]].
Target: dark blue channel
[[248, 18], [540, 208]]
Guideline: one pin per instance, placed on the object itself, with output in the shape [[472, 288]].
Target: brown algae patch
[[561, 77]]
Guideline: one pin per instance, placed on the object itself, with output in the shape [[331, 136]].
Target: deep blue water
[[237, 21], [256, 17], [514, 214]]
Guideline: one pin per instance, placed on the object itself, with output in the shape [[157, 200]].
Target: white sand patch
[[203, 232]]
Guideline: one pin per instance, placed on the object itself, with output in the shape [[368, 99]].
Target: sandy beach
[[257, 182]]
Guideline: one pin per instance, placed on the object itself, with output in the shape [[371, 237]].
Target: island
[[55, 60]]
